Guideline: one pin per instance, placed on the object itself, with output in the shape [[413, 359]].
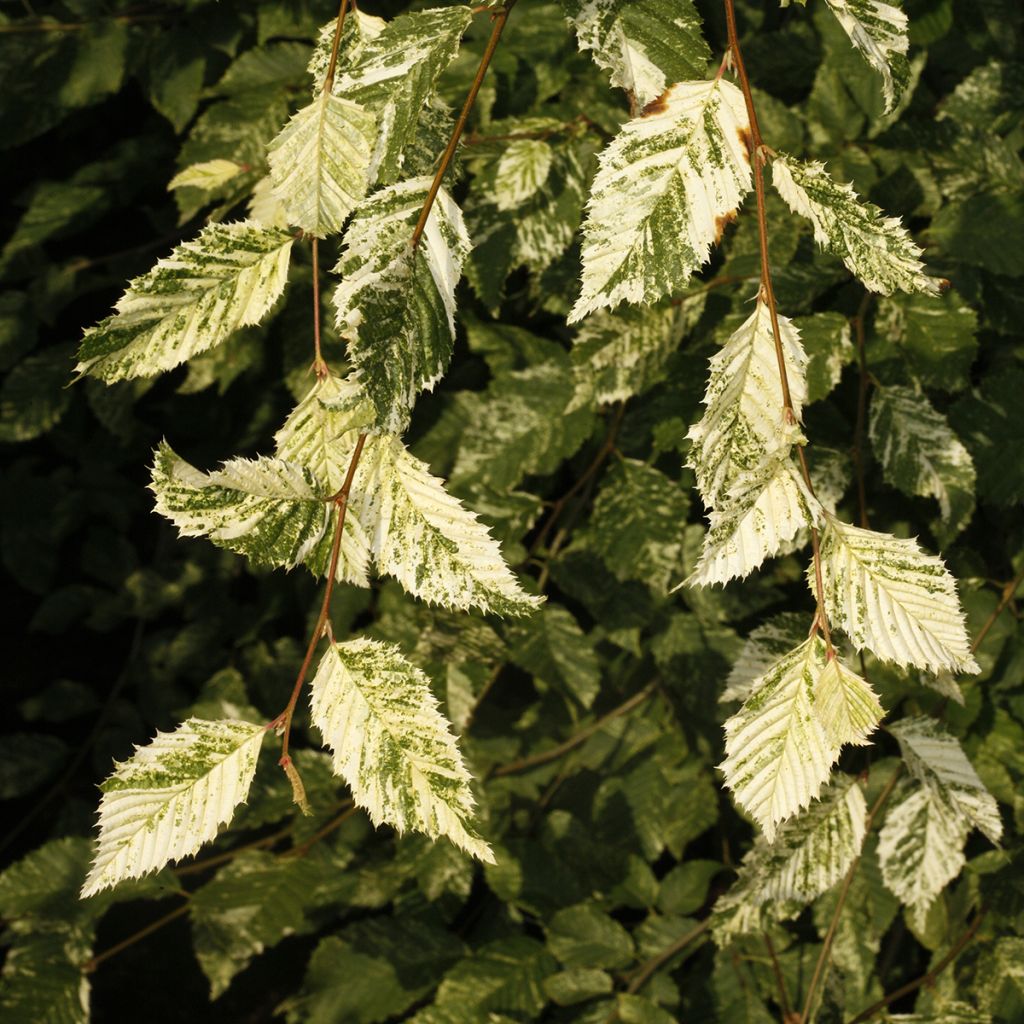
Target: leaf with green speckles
[[876, 249], [171, 796], [396, 305], [890, 597], [319, 163], [272, 511], [763, 648], [227, 278], [666, 186], [392, 745], [878, 31], [809, 855]]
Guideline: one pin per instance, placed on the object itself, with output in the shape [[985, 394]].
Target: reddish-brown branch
[[90, 965], [500, 16], [863, 383], [1007, 596], [767, 292], [320, 367], [332, 65]]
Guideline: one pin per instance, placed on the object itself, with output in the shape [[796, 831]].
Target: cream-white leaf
[[744, 422], [890, 597], [778, 754], [437, 549], [227, 278], [765, 645], [846, 705], [171, 796], [876, 249], [521, 172], [665, 186], [936, 759], [392, 745], [878, 31], [319, 163]]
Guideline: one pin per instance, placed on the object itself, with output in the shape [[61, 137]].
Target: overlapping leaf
[[194, 299], [396, 304], [876, 249], [171, 796], [391, 744], [319, 163], [890, 597], [667, 184]]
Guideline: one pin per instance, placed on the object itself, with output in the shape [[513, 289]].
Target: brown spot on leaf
[[747, 141], [721, 223], [657, 106]]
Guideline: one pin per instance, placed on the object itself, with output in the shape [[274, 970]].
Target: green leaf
[[391, 744], [826, 340], [33, 398], [552, 647], [206, 175], [319, 163], [890, 597], [194, 299], [876, 249], [921, 455], [272, 511], [666, 186], [521, 171], [43, 980], [879, 31], [577, 985], [396, 304], [171, 796], [645, 45], [964, 230], [585, 936]]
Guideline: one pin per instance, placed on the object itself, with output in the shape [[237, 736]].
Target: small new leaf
[[392, 745], [846, 706], [194, 299], [396, 304], [889, 596], [319, 163], [171, 796], [878, 31], [666, 185], [876, 249]]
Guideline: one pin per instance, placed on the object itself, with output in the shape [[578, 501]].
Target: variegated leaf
[[879, 31], [890, 597], [936, 759], [846, 705], [438, 550], [522, 169], [744, 424], [274, 512], [396, 305], [920, 454], [645, 45], [666, 185], [194, 299], [876, 249], [207, 175], [319, 163], [778, 755], [171, 796], [763, 648], [392, 745]]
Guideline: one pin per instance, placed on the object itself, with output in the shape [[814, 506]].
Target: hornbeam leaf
[[937, 760], [879, 31], [207, 175], [778, 755], [621, 354], [274, 512], [876, 249], [889, 596], [920, 846], [809, 855], [521, 171], [396, 304], [194, 299], [319, 163], [920, 454], [846, 705], [422, 536], [391, 744], [763, 648], [666, 186], [394, 74], [744, 424], [646, 45], [359, 29], [171, 796], [765, 510]]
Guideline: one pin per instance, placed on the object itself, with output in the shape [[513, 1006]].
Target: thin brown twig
[[1007, 596], [819, 968], [500, 16], [320, 367], [767, 293], [928, 977], [780, 982], [90, 965], [863, 384], [339, 28]]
